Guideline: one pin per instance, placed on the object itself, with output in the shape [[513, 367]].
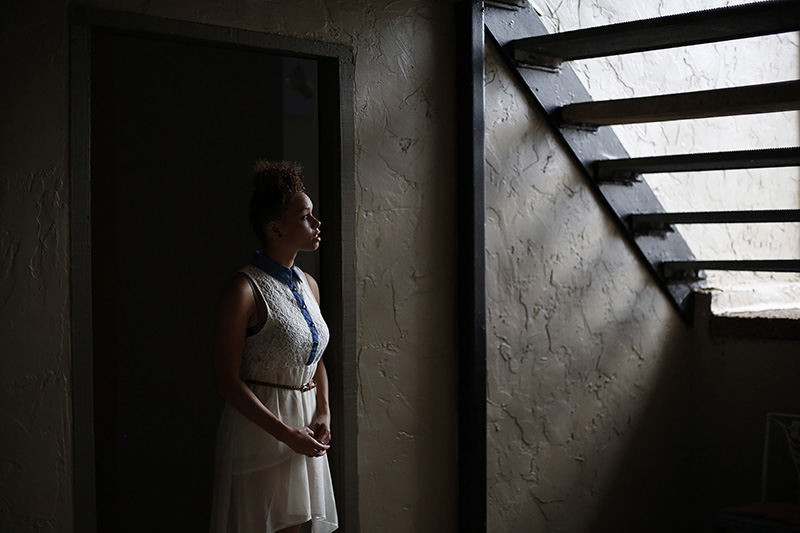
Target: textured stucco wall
[[587, 360], [404, 249], [764, 59], [35, 451]]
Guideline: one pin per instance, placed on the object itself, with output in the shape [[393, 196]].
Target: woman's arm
[[321, 423], [236, 306]]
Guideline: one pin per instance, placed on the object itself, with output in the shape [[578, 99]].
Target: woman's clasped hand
[[302, 440]]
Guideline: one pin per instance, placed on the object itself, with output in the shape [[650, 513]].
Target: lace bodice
[[279, 352]]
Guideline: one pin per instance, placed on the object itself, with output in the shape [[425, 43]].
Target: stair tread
[[684, 29]]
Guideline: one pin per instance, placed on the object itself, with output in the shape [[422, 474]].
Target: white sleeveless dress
[[261, 485]]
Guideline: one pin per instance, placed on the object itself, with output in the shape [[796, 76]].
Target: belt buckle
[[306, 387]]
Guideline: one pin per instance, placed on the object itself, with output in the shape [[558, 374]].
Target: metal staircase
[[540, 61]]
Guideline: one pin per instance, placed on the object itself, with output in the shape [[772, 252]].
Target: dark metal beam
[[659, 222], [471, 351], [772, 325], [713, 25], [678, 269], [749, 99], [628, 169], [512, 5]]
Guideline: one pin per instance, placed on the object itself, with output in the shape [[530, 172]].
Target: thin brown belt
[[302, 388]]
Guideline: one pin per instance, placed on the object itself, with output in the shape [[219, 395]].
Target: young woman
[[271, 471]]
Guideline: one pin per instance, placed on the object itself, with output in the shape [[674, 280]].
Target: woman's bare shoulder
[[237, 294], [312, 284]]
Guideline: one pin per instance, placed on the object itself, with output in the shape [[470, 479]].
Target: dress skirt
[[261, 485]]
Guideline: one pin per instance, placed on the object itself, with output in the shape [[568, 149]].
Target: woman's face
[[299, 227]]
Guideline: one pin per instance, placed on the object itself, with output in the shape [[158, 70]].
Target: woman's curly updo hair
[[274, 184]]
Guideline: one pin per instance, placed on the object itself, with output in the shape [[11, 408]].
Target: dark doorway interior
[[176, 127]]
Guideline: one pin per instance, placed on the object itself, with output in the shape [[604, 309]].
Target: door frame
[[337, 257]]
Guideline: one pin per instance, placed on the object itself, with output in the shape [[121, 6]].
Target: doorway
[[175, 125]]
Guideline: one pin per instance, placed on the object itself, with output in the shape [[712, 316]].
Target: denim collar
[[275, 269]]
